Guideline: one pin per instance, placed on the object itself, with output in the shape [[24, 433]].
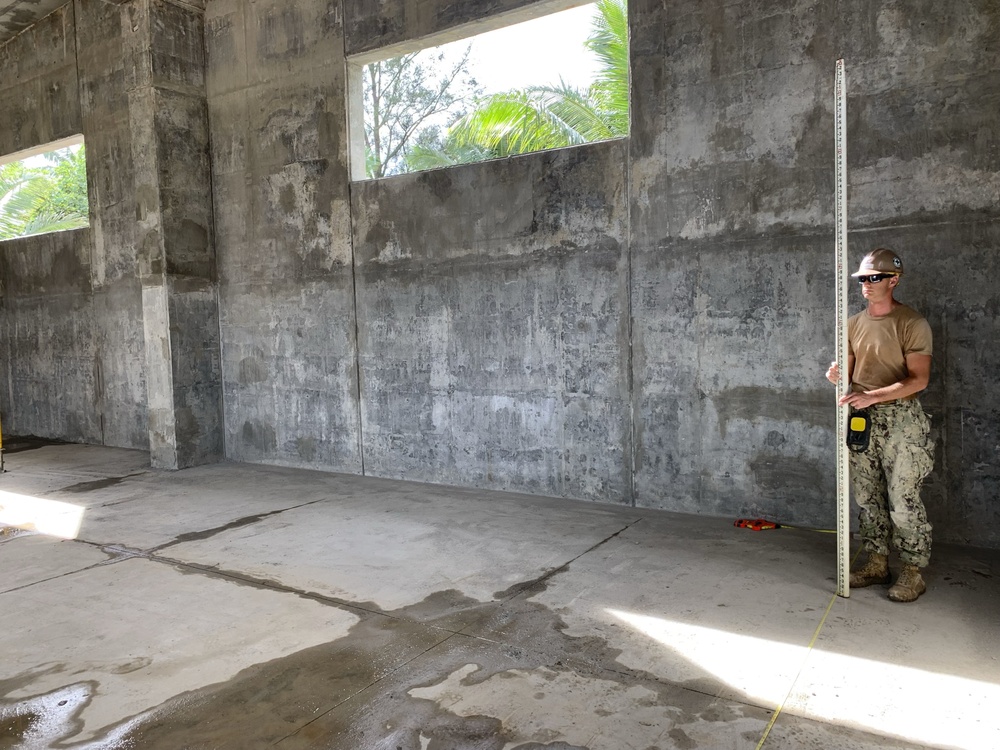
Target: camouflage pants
[[886, 481]]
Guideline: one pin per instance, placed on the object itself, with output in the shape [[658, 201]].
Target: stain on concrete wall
[[493, 324], [49, 340], [181, 217], [103, 65], [130, 77], [276, 101], [372, 24], [492, 330]]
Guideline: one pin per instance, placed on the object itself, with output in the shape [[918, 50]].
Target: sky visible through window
[[537, 51]]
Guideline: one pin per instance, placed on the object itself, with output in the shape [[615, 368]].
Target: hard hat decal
[[880, 260]]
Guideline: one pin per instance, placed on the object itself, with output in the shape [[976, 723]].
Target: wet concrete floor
[[236, 606]]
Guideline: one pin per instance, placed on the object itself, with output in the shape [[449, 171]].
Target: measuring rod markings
[[843, 500]]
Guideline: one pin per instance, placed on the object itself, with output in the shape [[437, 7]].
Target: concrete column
[[176, 255]]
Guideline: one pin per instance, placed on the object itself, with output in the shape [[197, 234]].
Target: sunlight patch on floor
[[879, 697], [51, 517]]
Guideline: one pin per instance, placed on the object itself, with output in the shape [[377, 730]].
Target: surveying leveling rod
[[843, 500]]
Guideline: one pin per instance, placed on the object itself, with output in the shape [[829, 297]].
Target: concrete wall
[[175, 242], [493, 324], [732, 187], [276, 84], [111, 333], [71, 319], [644, 321], [731, 238]]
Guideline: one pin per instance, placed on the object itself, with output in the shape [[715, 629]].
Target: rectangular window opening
[[44, 189], [559, 79]]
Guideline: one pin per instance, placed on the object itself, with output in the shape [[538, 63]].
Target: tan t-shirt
[[880, 346]]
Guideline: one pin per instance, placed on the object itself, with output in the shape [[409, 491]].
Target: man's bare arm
[[919, 368]]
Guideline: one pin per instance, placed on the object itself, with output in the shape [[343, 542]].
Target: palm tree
[[47, 198], [609, 42], [544, 117], [20, 190]]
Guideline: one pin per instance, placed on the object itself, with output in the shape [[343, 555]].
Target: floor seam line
[[282, 589], [562, 568], [271, 586], [69, 572], [235, 524], [249, 580]]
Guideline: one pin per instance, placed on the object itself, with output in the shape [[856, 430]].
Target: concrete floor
[[239, 606]]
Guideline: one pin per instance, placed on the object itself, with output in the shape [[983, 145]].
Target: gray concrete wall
[[96, 319], [71, 317], [276, 85], [731, 190], [176, 251], [49, 343], [732, 156], [493, 324], [104, 61], [729, 215], [645, 321]]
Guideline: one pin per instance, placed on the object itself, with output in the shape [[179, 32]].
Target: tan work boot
[[908, 586], [875, 570]]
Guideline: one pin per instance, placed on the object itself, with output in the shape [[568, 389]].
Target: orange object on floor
[[756, 524]]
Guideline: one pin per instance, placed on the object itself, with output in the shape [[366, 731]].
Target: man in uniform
[[888, 364]]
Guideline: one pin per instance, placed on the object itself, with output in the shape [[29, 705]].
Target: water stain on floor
[[41, 721], [14, 728], [21, 443], [99, 484], [446, 673], [385, 686]]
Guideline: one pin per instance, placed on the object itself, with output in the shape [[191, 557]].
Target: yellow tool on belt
[[859, 428]]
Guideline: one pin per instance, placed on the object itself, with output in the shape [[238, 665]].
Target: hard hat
[[880, 260]]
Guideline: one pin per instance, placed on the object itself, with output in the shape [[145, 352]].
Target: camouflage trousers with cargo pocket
[[886, 480]]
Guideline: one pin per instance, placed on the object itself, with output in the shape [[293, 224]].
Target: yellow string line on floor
[[812, 643]]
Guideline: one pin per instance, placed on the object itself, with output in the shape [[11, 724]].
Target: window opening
[[44, 189], [557, 80]]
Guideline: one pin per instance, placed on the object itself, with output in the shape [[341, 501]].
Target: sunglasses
[[874, 278]]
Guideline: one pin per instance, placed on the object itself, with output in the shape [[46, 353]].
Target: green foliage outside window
[[544, 117], [402, 94], [49, 195]]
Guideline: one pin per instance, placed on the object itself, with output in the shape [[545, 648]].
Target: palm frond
[[22, 190], [515, 122], [50, 196], [446, 155], [42, 223], [543, 117], [609, 42]]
